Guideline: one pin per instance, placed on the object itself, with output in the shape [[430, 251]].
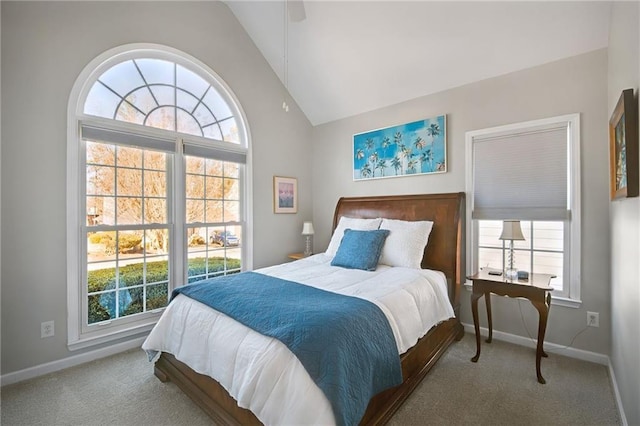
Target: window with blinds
[[528, 172]]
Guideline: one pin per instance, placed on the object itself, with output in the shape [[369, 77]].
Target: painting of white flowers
[[407, 149]]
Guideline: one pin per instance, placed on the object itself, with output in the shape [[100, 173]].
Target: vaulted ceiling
[[346, 58]]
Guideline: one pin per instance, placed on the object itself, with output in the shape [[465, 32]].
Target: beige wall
[[45, 45], [572, 85], [624, 73]]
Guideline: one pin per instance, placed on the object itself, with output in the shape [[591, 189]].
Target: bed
[[444, 252]]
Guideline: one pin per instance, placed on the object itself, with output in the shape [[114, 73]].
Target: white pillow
[[406, 242], [354, 223]]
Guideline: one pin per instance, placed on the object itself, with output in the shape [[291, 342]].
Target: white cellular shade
[[521, 175], [126, 138]]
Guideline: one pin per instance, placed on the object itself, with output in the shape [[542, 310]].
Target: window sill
[[555, 300], [89, 341]]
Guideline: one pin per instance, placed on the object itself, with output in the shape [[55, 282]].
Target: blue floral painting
[[407, 149]]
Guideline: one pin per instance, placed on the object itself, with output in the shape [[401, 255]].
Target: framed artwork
[[623, 148], [285, 194], [408, 149]]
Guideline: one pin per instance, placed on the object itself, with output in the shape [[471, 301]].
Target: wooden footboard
[[223, 409]]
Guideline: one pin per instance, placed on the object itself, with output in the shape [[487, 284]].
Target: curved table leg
[[476, 323], [543, 311], [487, 301]]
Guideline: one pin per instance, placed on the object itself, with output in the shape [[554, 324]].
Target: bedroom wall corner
[[624, 73], [45, 46]]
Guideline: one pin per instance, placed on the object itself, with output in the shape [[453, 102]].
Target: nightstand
[[536, 289], [296, 256]]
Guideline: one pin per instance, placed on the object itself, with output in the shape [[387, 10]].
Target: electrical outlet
[[47, 329], [593, 319]]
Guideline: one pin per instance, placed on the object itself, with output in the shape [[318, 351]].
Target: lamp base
[[511, 273]]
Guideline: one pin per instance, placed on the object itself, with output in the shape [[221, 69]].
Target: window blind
[[127, 138], [522, 175], [214, 152]]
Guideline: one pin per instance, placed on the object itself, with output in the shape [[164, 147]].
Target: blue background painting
[[407, 149]]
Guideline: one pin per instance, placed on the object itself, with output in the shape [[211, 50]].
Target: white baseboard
[[50, 367], [551, 347], [561, 350], [616, 392]]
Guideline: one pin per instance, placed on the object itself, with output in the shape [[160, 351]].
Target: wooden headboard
[[446, 247]]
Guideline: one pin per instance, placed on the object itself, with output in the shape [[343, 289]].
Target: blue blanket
[[345, 343]]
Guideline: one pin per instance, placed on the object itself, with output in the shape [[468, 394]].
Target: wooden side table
[[296, 256], [536, 289]]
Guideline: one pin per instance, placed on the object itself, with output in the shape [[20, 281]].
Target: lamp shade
[[511, 230], [307, 228]]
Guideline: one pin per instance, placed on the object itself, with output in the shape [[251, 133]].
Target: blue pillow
[[360, 249]]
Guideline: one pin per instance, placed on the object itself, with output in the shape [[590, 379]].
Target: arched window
[[157, 188]]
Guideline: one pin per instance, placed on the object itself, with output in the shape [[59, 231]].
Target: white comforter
[[260, 372]]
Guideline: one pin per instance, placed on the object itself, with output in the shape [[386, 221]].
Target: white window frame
[[570, 296], [77, 338]]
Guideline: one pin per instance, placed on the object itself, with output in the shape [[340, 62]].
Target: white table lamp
[[307, 231], [511, 231]]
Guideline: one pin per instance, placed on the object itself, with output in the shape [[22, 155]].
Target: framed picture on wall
[[623, 147], [415, 148], [285, 194]]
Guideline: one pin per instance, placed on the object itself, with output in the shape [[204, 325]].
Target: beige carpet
[[501, 389]]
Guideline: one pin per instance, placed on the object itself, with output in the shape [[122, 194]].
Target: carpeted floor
[[501, 389]]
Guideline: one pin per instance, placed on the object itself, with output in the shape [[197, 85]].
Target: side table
[[296, 256], [536, 289]]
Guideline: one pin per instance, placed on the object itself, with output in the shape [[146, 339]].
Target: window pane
[[129, 211], [214, 211], [158, 270], [154, 160], [102, 307], [188, 124], [195, 211], [122, 78], [143, 100], [203, 115], [166, 96], [191, 82], [101, 276], [197, 239], [100, 180], [101, 211], [155, 184], [232, 170], [131, 272], [215, 102], [489, 233], [195, 165], [231, 189], [129, 157], [126, 112], [130, 301], [195, 186], [101, 101], [212, 132], [215, 167], [549, 236], [156, 241], [157, 296], [186, 101], [101, 153], [491, 258], [155, 210], [129, 182], [162, 118], [214, 188], [230, 131], [156, 70], [231, 211]]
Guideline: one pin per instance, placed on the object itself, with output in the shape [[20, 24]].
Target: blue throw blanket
[[345, 343]]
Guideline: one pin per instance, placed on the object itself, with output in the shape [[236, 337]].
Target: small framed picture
[[285, 194], [623, 148]]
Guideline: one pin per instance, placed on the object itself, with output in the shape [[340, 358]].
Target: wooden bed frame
[[444, 252]]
